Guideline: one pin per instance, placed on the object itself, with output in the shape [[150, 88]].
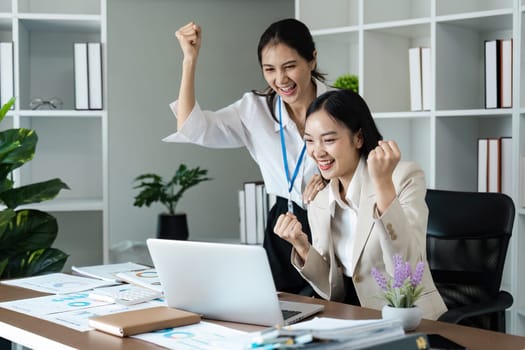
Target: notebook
[[228, 282]]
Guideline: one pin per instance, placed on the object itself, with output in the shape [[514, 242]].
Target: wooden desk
[[39, 334]]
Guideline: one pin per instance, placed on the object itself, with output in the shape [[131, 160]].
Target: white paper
[[58, 283], [51, 304], [202, 336], [107, 272], [78, 319]]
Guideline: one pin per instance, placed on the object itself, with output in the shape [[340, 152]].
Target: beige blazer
[[400, 230]]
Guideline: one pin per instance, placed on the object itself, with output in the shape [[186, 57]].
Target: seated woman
[[372, 209]]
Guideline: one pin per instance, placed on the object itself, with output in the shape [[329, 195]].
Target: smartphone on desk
[[439, 342]]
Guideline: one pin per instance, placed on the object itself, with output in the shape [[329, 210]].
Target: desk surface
[[39, 334]]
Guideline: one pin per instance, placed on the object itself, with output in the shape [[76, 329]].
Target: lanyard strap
[[289, 179]]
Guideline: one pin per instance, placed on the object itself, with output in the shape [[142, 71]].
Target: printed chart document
[[144, 278], [52, 304], [202, 336], [57, 283], [108, 272]]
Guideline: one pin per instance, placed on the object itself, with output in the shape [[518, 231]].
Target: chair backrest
[[467, 238]]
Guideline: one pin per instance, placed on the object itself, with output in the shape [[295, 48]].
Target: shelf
[[58, 205], [402, 115], [477, 113], [445, 7], [58, 22], [41, 7], [59, 113], [480, 21], [403, 28]]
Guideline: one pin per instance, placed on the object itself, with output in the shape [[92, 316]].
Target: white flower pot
[[410, 317]]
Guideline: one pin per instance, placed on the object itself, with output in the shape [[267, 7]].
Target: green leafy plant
[[26, 235], [155, 189], [347, 81]]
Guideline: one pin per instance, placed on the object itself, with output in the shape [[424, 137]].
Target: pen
[[274, 343]]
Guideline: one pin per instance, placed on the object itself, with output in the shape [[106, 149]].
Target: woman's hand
[[189, 37], [290, 229], [381, 162], [316, 184]]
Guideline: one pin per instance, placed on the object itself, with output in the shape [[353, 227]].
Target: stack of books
[[498, 73], [88, 75], [495, 165], [254, 204]]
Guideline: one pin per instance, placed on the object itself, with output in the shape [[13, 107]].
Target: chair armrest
[[503, 301]]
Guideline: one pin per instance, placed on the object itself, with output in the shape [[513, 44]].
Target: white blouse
[[344, 217], [248, 123]]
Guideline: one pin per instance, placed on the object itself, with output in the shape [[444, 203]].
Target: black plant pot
[[172, 226]]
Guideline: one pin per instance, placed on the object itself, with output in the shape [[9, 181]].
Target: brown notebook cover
[[144, 320]]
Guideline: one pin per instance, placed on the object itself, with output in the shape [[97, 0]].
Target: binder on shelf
[[491, 73], [261, 206], [94, 55], [250, 208], [506, 165], [81, 76], [505, 70], [253, 212], [426, 78], [7, 89], [494, 165], [414, 61], [242, 217], [483, 155]]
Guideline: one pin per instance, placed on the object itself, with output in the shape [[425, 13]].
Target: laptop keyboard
[[289, 313]]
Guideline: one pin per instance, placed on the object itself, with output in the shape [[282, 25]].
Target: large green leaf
[[6, 107], [33, 193], [6, 216], [17, 147], [28, 230], [37, 262]]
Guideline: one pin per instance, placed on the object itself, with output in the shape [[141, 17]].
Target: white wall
[[144, 61]]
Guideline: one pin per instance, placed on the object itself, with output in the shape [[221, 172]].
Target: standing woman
[[372, 209], [269, 123]]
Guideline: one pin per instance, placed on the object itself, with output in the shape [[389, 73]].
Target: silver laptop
[[228, 282]]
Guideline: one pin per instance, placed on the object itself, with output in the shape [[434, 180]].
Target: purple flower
[[418, 274], [403, 289], [380, 279]]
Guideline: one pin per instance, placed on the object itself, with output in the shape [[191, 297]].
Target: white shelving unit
[[72, 144], [371, 38]]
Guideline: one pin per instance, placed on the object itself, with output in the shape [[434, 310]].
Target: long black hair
[[350, 109], [294, 34]]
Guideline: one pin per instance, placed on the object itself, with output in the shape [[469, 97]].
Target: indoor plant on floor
[[154, 189], [26, 235]]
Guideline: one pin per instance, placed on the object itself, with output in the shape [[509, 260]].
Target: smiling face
[[332, 146], [288, 73]]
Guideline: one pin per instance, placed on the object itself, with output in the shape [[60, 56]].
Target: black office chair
[[467, 238]]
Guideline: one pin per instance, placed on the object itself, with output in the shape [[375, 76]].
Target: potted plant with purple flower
[[401, 292]]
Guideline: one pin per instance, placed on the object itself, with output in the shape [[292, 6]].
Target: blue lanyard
[[289, 179]]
